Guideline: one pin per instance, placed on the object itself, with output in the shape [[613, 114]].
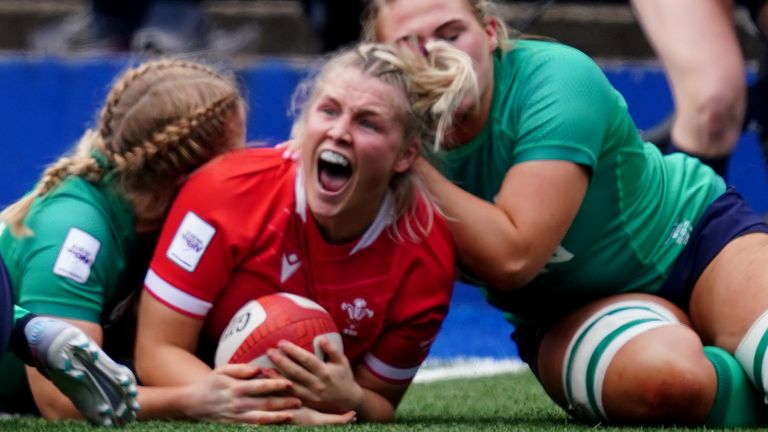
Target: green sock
[[737, 402]]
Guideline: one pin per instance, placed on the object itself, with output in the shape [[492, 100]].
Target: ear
[[406, 158], [491, 31]]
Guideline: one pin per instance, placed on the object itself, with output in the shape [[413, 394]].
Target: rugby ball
[[260, 324]]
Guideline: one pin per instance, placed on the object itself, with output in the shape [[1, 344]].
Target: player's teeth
[[334, 158]]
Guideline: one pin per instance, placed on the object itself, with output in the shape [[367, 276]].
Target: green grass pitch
[[513, 402]]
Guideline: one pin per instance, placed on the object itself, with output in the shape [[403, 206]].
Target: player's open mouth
[[333, 170]]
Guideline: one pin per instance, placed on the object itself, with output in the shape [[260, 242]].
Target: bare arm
[[165, 344], [506, 244], [708, 83]]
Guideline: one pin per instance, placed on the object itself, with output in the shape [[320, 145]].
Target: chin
[[323, 208]]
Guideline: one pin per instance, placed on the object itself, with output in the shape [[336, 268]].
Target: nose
[[339, 131]]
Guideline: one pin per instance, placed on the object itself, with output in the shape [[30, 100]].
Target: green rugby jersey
[[551, 102], [80, 263]]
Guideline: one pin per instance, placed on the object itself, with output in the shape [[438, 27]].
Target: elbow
[[513, 274]]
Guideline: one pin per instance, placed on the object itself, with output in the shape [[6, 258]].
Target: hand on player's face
[[327, 386], [231, 395]]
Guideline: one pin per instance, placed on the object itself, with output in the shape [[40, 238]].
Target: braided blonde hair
[[160, 121], [482, 9], [432, 85]]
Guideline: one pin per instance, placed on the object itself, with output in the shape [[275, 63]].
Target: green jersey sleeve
[[72, 263], [565, 110]]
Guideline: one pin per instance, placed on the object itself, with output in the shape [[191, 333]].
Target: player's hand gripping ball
[[260, 324]]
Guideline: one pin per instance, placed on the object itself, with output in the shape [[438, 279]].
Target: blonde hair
[[432, 85], [483, 10], [160, 121]]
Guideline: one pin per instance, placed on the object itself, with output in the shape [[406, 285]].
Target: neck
[[337, 231], [350, 225]]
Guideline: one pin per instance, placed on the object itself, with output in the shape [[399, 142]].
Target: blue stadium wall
[[45, 103]]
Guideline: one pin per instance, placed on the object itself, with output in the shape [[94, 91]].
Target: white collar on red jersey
[[384, 218]]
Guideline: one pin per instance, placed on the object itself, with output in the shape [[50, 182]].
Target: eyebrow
[[365, 111]]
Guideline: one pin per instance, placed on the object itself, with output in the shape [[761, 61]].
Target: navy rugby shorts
[[727, 218]]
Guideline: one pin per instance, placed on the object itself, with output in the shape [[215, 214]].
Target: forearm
[[169, 366], [164, 403], [52, 403], [488, 243]]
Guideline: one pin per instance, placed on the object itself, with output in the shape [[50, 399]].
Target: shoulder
[[241, 187], [248, 161], [546, 65], [537, 52], [239, 170], [74, 204]]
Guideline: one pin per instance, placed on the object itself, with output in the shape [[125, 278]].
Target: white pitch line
[[467, 367]]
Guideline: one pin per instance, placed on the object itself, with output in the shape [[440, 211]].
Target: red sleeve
[[209, 229], [419, 307]]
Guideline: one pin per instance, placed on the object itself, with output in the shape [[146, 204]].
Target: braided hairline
[[160, 145], [107, 113]]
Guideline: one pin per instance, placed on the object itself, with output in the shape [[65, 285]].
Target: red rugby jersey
[[240, 229]]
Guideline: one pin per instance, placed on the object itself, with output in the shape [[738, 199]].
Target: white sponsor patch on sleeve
[[77, 255], [190, 241]]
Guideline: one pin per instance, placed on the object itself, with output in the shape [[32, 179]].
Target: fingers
[[295, 362], [290, 150], [333, 353], [239, 370], [261, 403], [291, 154], [265, 386], [264, 417], [310, 417], [335, 419]]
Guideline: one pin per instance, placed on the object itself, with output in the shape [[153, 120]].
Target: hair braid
[[174, 146], [119, 88], [113, 99]]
